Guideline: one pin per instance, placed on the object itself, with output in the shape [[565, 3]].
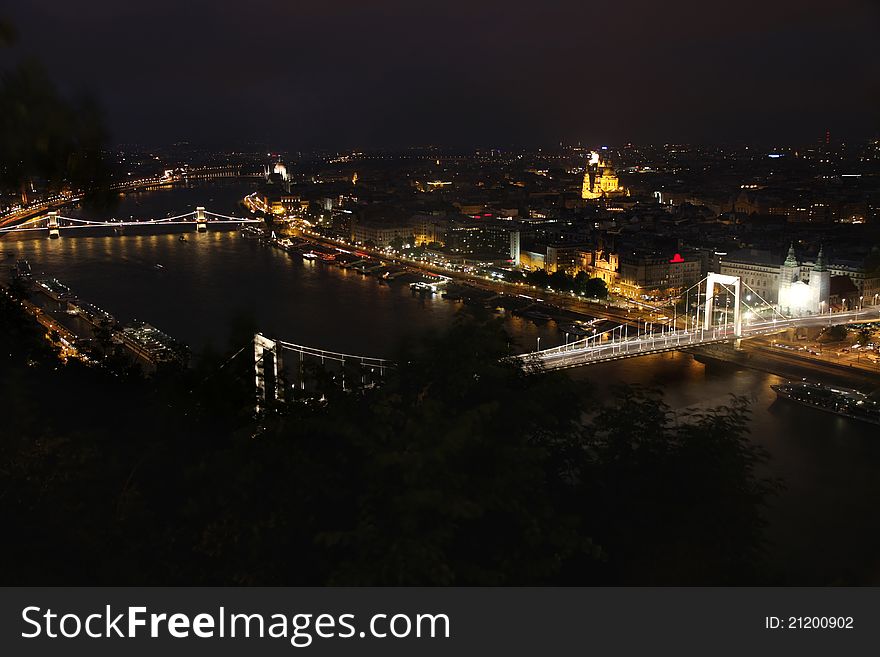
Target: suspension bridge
[[717, 309], [281, 367], [54, 224]]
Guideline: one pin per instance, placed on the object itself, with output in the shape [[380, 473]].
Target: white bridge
[[54, 224], [716, 309], [708, 317], [274, 379]]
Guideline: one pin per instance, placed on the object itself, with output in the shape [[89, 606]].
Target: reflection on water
[[214, 278], [824, 527]]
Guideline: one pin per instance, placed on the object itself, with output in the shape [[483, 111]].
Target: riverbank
[[790, 365], [608, 309], [216, 288]]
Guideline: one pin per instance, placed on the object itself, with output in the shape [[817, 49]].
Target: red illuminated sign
[[677, 258]]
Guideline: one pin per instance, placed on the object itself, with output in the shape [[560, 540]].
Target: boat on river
[[832, 399]]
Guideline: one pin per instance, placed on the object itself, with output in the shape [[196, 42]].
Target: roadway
[[638, 345], [66, 338], [633, 317], [607, 347], [817, 356]]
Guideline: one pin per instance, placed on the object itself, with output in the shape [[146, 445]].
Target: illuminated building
[[793, 292], [515, 243], [279, 172], [381, 225], [649, 274], [475, 237], [760, 270], [600, 180], [799, 287], [600, 263], [381, 234], [277, 175], [820, 284], [532, 260], [550, 257], [562, 257], [428, 228], [798, 297]]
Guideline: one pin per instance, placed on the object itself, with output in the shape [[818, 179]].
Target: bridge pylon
[[54, 227], [265, 350], [201, 221], [725, 281]]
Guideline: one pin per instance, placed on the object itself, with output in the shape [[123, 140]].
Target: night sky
[[358, 73]]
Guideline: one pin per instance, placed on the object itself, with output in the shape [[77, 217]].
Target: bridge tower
[[201, 221], [54, 231], [267, 350], [726, 281]]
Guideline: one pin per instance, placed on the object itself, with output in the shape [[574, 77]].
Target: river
[[824, 528]]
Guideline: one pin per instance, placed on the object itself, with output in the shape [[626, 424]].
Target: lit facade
[[794, 287], [652, 274], [600, 180], [380, 234], [600, 263], [758, 270], [798, 297]]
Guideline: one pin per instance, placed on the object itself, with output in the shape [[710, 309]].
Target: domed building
[[600, 179], [281, 170]]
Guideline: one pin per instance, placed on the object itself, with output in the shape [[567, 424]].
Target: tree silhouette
[[47, 138], [462, 468]]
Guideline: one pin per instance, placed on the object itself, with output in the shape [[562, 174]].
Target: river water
[[825, 527]]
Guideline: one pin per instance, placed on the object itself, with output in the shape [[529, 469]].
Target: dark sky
[[374, 73]]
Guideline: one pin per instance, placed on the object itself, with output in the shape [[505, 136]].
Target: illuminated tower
[[588, 188], [600, 179], [789, 273], [820, 284]]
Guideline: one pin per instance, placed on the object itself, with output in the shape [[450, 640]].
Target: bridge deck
[[593, 350]]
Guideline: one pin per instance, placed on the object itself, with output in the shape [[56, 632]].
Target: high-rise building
[[515, 248]]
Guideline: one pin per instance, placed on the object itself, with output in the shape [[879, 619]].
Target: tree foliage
[[835, 333], [581, 283], [46, 137], [463, 468]]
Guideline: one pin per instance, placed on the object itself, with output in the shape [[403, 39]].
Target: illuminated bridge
[[281, 367], [714, 311], [54, 224]]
